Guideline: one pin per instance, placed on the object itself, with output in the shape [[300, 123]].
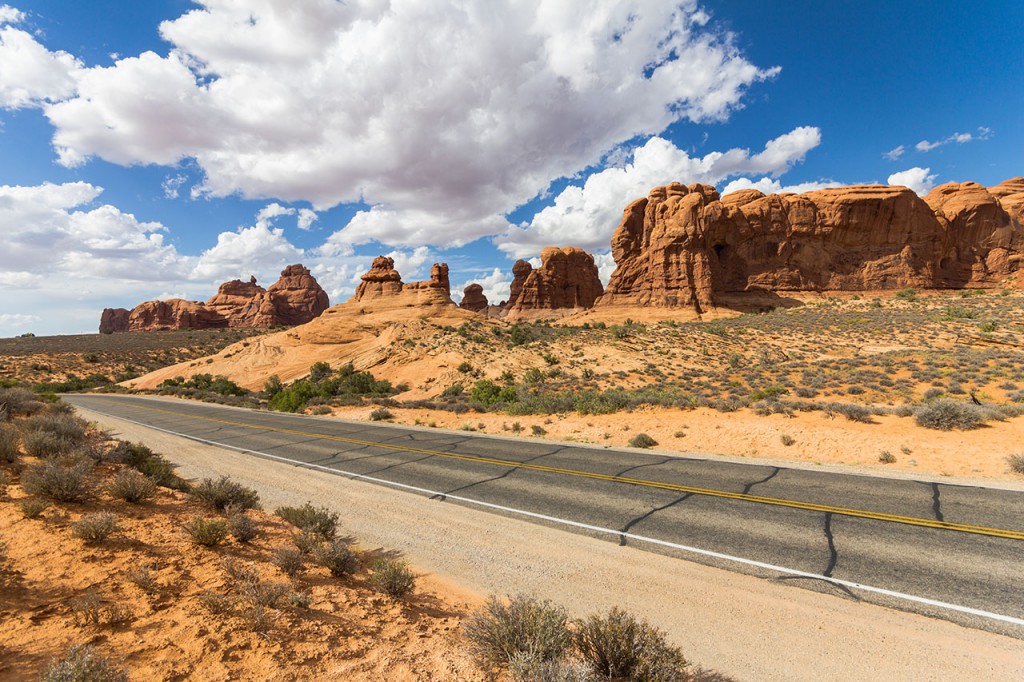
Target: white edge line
[[598, 529]]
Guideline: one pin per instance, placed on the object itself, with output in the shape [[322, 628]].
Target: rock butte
[[566, 281], [684, 246], [296, 298], [473, 298]]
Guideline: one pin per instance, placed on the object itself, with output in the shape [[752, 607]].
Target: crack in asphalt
[[773, 474], [444, 495], [647, 515], [936, 503], [664, 460]]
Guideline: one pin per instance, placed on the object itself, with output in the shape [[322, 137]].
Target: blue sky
[[153, 149]]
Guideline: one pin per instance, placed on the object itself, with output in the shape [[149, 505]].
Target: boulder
[[473, 299], [114, 320], [686, 246], [566, 280]]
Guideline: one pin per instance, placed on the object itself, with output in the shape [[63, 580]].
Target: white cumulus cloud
[[586, 215], [31, 75], [11, 15], [495, 283], [921, 180], [441, 116], [773, 186]]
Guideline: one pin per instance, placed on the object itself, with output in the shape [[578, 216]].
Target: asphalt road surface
[[949, 551]]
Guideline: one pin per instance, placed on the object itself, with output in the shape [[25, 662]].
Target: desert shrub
[[346, 382], [381, 414], [272, 386], [525, 667], [337, 558], [143, 578], [853, 412], [886, 457], [215, 603], [58, 482], [240, 525], [299, 600], [19, 401], [94, 528], [262, 593], [206, 532], [1016, 463], [642, 440], [320, 521], [147, 462], [9, 442], [33, 507], [787, 439], [1017, 396], [307, 542], [290, 560], [768, 393], [618, 645], [500, 630], [908, 294], [205, 382], [488, 393], [538, 430], [223, 493], [44, 444], [60, 424], [393, 577], [257, 618], [131, 486], [82, 663], [453, 391], [946, 415]]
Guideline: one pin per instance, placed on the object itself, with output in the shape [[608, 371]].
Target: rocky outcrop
[[296, 298], [473, 298], [566, 280], [686, 246], [114, 320], [383, 284]]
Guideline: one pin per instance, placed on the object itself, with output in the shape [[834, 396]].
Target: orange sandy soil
[[348, 631], [817, 438]]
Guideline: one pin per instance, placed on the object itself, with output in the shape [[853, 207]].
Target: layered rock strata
[[687, 246], [566, 280]]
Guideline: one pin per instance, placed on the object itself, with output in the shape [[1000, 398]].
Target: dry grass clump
[[83, 663], [1016, 463], [19, 401], [642, 440], [33, 507], [223, 493], [337, 557]]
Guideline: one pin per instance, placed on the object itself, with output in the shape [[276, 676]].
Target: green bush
[[393, 577], [82, 663], [44, 444], [223, 493], [642, 440], [346, 382], [500, 630], [946, 415], [908, 294], [94, 528], [337, 558], [488, 393], [131, 486], [320, 521], [206, 532], [619, 646], [59, 482]]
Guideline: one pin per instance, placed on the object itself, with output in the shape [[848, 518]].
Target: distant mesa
[[685, 246], [296, 298]]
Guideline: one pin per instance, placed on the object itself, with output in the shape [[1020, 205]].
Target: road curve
[[949, 551]]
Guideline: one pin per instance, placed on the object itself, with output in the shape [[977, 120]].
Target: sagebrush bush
[[94, 528], [58, 423], [500, 630], [206, 532], [393, 577], [19, 401], [83, 663], [44, 444], [381, 414], [337, 557], [946, 415], [320, 521], [33, 507], [241, 526], [853, 412], [143, 578], [290, 560], [10, 441], [263, 593], [223, 493], [642, 440], [131, 486], [1016, 463], [526, 667], [59, 482], [618, 645], [147, 462]]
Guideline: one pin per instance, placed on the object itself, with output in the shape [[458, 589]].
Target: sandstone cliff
[[296, 298], [567, 280], [686, 246], [382, 287]]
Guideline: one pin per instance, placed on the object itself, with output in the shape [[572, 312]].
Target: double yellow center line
[[674, 487]]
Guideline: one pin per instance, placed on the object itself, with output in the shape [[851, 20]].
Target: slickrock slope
[[687, 246], [473, 298], [377, 328], [566, 281], [296, 298]]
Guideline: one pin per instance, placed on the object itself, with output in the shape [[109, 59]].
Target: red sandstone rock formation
[[684, 246], [294, 299], [382, 282], [566, 280], [114, 320], [473, 299]]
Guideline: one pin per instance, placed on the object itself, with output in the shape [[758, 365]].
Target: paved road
[[945, 550]]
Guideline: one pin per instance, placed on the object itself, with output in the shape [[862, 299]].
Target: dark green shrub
[[908, 294], [223, 493], [642, 440], [272, 386], [82, 663], [320, 521], [393, 577], [500, 630], [619, 646], [946, 415], [59, 482], [206, 532], [488, 393], [337, 558], [131, 486], [94, 528]]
